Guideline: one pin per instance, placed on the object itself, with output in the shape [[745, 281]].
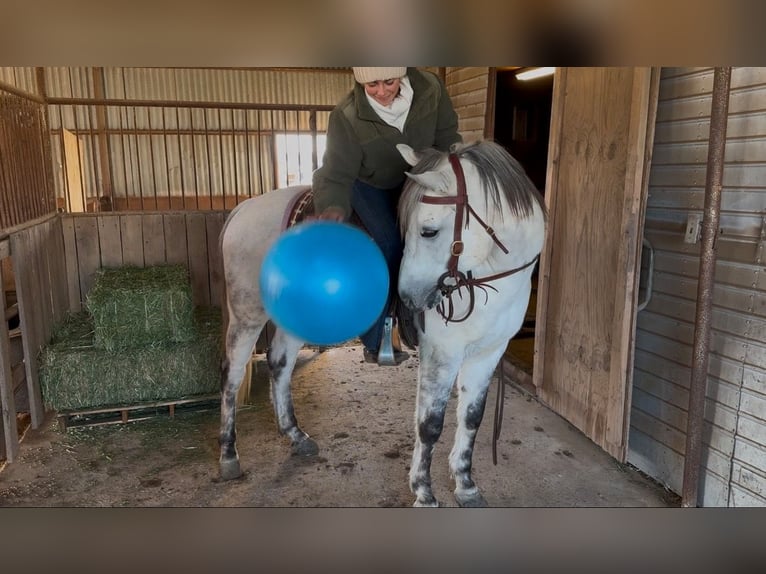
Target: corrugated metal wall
[[734, 451], [165, 156], [266, 86], [20, 78]]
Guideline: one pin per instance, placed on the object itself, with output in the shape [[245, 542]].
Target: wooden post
[[9, 436], [243, 394]]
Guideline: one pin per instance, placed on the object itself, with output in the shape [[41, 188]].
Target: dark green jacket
[[362, 146]]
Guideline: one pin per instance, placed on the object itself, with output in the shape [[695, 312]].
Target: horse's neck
[[520, 236]]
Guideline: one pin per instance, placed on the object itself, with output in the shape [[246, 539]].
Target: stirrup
[[386, 351]]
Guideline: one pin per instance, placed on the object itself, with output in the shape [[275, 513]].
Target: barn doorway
[[522, 126]]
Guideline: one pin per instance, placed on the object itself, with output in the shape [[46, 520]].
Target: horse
[[445, 262]]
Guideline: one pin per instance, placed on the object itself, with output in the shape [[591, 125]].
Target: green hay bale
[[135, 307], [75, 374]]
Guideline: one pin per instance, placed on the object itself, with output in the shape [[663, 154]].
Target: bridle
[[453, 280], [458, 279]]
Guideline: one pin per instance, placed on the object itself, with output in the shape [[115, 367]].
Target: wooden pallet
[[130, 413]]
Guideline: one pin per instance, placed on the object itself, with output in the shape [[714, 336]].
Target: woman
[[363, 171]]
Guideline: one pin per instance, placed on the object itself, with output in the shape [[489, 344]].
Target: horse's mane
[[498, 170]]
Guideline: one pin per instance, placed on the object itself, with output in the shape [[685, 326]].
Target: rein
[[457, 279]]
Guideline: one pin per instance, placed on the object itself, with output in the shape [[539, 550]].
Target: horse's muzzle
[[417, 302]]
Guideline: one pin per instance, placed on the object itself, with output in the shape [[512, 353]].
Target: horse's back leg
[[240, 339], [281, 357], [472, 384], [436, 374]]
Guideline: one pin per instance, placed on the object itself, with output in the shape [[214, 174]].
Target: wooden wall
[[733, 458], [37, 253], [141, 239], [469, 90]]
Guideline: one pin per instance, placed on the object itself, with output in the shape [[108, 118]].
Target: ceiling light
[[532, 73]]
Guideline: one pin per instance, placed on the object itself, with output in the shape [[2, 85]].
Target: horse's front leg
[[436, 374], [472, 383], [281, 357], [240, 341]]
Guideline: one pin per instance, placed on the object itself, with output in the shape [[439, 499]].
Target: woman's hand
[[332, 214]]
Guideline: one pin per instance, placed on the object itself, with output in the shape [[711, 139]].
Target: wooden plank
[[214, 223], [73, 160], [175, 238], [597, 174], [131, 413], [9, 441], [640, 137], [749, 452], [29, 322], [154, 239], [754, 379], [52, 236], [110, 240], [656, 459], [196, 239], [551, 202], [72, 263], [750, 478], [88, 254], [42, 287], [755, 355], [131, 227], [59, 273], [41, 321]]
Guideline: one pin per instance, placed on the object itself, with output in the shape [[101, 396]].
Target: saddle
[[400, 323]]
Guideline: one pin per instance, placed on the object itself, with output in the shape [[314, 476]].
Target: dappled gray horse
[[473, 227]]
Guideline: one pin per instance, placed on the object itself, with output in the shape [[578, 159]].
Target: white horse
[[471, 220]]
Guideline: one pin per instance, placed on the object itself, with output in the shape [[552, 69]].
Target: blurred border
[[343, 32], [382, 540]]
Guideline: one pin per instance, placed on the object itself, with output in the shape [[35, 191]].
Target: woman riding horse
[[362, 169]]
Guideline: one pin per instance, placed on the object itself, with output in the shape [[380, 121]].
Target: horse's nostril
[[433, 299]]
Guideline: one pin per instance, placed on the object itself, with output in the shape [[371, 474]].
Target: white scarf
[[396, 114]]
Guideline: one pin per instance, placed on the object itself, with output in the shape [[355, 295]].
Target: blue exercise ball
[[324, 282]]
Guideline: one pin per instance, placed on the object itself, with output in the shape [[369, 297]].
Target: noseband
[[454, 280]]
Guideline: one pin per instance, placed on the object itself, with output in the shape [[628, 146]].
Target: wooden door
[[602, 129]]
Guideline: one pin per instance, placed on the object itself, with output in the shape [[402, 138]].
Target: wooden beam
[[101, 138], [10, 434]]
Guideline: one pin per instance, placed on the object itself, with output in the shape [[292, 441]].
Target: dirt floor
[[360, 415]]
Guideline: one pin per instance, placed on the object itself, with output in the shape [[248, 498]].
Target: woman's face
[[383, 91]]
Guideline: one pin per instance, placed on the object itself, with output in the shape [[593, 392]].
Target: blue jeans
[[376, 208]]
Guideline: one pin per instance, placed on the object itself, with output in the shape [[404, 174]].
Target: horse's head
[[455, 213]]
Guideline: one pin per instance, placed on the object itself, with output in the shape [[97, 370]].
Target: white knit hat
[[364, 75]]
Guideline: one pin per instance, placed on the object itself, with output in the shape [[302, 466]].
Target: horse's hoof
[[474, 500], [306, 447], [426, 502], [230, 469]]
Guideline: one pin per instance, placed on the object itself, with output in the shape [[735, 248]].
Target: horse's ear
[[409, 154]]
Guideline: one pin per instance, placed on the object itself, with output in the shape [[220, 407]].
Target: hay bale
[[136, 307], [75, 374]]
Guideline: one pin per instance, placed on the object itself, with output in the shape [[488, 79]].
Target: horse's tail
[[224, 305]]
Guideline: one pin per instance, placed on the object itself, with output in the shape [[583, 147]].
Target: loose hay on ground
[[75, 374], [136, 307]]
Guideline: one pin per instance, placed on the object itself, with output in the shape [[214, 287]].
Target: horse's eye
[[428, 233]]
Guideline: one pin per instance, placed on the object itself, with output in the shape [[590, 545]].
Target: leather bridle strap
[[460, 200]]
